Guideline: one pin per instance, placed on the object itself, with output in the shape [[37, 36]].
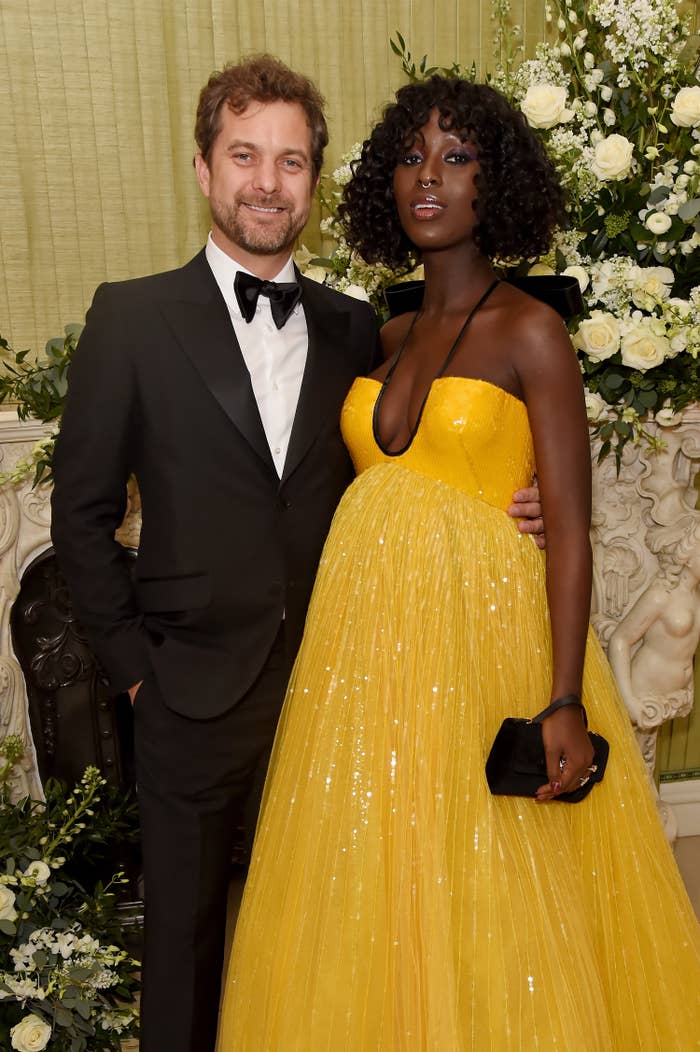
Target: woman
[[392, 903]]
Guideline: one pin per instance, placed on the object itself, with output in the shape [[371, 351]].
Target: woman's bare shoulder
[[393, 332]]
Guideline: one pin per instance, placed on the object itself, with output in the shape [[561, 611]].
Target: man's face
[[259, 182]]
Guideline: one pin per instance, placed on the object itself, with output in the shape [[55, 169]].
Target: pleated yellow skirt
[[393, 904]]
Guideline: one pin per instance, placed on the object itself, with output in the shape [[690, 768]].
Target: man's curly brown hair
[[519, 197]]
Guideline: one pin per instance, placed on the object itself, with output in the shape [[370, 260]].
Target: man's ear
[[203, 173]]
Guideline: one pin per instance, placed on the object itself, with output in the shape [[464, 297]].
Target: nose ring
[[427, 185]]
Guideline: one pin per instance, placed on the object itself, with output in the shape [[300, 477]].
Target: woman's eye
[[459, 157], [410, 159]]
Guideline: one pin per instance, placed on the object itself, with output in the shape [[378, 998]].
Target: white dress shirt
[[275, 358]]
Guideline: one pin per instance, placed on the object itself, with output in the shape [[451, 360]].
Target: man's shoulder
[[153, 286]]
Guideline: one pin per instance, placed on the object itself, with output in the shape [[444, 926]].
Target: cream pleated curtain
[[98, 101]]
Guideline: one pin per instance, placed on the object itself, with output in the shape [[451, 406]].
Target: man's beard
[[261, 238]]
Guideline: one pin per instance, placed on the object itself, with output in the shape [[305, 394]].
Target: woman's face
[[434, 187]]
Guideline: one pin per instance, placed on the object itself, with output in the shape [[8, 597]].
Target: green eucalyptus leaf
[[79, 974], [659, 193], [84, 1009], [63, 1016]]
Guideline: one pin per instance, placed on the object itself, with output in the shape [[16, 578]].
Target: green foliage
[[37, 387], [61, 962]]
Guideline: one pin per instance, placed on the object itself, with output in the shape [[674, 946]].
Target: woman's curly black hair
[[519, 199]]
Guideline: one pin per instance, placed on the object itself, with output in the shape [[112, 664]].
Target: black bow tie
[[283, 296]]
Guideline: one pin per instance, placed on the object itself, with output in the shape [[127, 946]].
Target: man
[[222, 395]]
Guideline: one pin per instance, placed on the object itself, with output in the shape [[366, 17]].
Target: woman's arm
[[553, 390]]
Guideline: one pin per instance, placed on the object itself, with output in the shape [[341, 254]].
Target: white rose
[[579, 273], [595, 407], [685, 109], [650, 284], [657, 222], [544, 106], [31, 1034], [598, 336], [357, 292], [666, 417], [39, 871], [612, 158], [641, 349], [7, 904], [316, 274], [678, 344], [683, 307]]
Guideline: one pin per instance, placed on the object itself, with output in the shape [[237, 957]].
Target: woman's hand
[[568, 751]]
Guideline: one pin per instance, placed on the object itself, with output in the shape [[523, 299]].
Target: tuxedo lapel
[[202, 324], [327, 334]]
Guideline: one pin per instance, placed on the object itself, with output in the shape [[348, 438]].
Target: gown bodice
[[472, 435]]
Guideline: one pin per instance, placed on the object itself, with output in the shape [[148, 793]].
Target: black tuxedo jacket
[[158, 388]]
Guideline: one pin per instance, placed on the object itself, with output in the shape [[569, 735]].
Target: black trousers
[[193, 777]]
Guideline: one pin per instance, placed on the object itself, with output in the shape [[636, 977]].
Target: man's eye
[[291, 162], [241, 155]]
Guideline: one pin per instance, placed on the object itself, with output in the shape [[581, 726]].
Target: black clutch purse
[[516, 765]]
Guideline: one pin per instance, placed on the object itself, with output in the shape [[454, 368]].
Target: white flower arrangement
[[626, 144], [65, 985], [616, 101]]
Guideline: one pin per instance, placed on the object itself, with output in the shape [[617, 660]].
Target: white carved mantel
[[646, 588], [24, 534]]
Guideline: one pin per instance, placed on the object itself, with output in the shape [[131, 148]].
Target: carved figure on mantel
[[23, 780], [656, 679], [668, 478], [621, 563]]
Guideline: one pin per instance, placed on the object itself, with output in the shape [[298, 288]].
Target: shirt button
[[277, 449]]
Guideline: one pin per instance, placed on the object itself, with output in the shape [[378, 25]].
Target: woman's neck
[[453, 279]]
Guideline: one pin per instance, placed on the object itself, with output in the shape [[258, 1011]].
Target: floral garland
[[617, 103]]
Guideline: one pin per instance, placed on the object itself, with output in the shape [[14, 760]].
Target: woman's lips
[[427, 207]]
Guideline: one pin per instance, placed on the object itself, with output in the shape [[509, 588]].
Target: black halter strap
[[450, 355]]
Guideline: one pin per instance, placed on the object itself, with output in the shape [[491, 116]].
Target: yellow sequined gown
[[393, 904]]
